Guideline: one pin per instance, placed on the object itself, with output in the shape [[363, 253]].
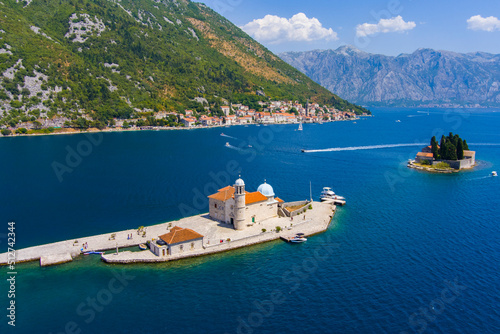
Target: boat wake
[[227, 136], [234, 147], [357, 148], [484, 144], [481, 178]]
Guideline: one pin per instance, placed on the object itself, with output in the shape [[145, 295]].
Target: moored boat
[[328, 194], [298, 238], [143, 247]]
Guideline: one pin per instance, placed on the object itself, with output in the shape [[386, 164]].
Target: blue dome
[[266, 190], [239, 182]]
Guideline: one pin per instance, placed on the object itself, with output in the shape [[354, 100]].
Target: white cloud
[[274, 29], [395, 24], [478, 22]]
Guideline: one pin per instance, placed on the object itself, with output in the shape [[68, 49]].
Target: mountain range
[[104, 59], [424, 78]]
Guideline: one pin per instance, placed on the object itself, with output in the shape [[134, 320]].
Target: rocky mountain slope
[[425, 77], [104, 59]]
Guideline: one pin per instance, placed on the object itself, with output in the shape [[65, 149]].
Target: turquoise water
[[384, 266]]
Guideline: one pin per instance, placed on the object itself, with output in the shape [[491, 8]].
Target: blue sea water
[[411, 252]]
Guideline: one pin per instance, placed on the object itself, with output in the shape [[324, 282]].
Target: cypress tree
[[460, 149], [466, 147], [442, 149], [451, 151], [434, 148]]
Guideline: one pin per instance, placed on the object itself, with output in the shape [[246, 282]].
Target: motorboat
[[143, 247], [227, 144], [398, 121], [298, 238], [328, 194], [494, 173]]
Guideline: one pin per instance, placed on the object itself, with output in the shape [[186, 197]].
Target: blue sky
[[388, 27]]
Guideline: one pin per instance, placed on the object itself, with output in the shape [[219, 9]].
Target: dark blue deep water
[[410, 252]]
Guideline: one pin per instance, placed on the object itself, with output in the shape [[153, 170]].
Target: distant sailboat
[[300, 127]]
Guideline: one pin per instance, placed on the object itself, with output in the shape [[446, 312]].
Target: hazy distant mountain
[[425, 77]]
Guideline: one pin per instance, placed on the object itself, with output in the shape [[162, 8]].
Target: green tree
[[460, 149], [434, 148], [6, 132], [442, 148], [37, 125], [22, 131], [451, 151], [466, 147]]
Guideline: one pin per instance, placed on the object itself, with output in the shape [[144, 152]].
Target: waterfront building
[[178, 240], [233, 205]]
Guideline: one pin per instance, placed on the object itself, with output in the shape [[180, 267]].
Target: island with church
[[451, 155], [237, 218]]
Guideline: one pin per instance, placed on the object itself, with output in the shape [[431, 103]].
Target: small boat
[[143, 247], [328, 194], [227, 144], [300, 127], [250, 146], [494, 173], [398, 121], [89, 253], [298, 238]]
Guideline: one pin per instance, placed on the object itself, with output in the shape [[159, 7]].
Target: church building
[[233, 205]]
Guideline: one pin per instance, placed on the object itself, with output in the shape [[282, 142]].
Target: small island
[[451, 155]]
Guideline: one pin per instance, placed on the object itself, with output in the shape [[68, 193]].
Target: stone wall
[[298, 211], [457, 164]]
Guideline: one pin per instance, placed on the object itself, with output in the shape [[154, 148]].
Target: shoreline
[[217, 238], [74, 131], [412, 165]]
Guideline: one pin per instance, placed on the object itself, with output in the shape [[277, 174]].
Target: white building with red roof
[[233, 205], [178, 240]]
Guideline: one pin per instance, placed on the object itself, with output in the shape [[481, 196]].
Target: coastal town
[[273, 112]]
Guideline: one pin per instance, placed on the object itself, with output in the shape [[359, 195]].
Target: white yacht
[[494, 173], [300, 127], [298, 238], [327, 194], [227, 144]]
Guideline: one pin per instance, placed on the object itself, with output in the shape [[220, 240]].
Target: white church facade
[[233, 205]]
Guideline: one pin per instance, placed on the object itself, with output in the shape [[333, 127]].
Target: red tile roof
[[224, 194], [279, 200], [255, 197], [178, 234], [426, 155]]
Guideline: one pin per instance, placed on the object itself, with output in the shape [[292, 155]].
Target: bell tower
[[239, 204]]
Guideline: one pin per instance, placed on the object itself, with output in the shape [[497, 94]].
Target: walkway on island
[[216, 236]]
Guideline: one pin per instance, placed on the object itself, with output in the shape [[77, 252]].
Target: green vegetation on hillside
[[92, 61]]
